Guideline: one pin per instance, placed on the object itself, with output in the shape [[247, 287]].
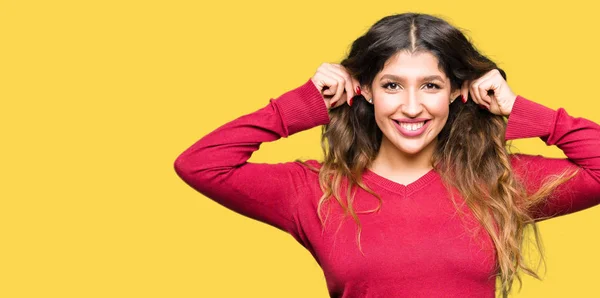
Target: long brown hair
[[471, 145]]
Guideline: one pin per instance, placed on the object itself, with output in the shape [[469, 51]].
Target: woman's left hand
[[491, 92]]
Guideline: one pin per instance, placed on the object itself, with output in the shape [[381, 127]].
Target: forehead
[[412, 64]]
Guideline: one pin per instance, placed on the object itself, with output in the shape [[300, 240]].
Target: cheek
[[440, 107], [385, 107], [382, 118], [442, 112], [379, 117]]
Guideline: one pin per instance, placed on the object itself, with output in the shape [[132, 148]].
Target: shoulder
[[530, 168], [301, 167], [520, 161], [309, 168], [312, 163]]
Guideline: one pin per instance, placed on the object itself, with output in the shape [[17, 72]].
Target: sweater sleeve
[[217, 165], [578, 138]]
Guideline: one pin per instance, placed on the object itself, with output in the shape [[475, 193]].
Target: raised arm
[[578, 138], [217, 166]]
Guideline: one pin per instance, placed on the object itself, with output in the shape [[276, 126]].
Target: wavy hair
[[471, 145]]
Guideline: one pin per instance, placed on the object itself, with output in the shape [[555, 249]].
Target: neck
[[392, 161]]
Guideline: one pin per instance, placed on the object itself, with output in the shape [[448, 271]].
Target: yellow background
[[98, 98]]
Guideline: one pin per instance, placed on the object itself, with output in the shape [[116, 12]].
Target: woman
[[417, 195]]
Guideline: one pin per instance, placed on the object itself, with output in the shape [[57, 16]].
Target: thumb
[[328, 91]]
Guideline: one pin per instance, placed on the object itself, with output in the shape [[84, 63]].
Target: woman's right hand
[[335, 84]]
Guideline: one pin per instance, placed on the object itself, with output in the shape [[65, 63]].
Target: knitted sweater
[[417, 244]]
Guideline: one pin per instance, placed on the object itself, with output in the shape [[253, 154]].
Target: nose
[[411, 105]]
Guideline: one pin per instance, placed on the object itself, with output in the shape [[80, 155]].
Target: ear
[[366, 92], [454, 95]]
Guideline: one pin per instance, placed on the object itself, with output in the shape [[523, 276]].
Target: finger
[[329, 86], [339, 91], [348, 86], [349, 90], [484, 88], [340, 83], [330, 91], [326, 84], [490, 74], [356, 85], [464, 91], [478, 90], [321, 80], [473, 90]]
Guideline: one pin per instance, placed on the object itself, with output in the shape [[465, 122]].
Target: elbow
[[195, 174], [183, 168], [194, 171]]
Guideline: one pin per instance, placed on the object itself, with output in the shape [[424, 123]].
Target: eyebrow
[[425, 78]]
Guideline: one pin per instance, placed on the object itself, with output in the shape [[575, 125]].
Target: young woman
[[417, 195]]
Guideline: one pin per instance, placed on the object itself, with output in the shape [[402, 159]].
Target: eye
[[431, 86], [391, 85]]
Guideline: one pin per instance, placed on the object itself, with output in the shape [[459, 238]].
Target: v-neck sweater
[[417, 244]]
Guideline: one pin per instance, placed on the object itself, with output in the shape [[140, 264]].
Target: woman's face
[[411, 97]]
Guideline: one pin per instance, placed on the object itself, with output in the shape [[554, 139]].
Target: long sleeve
[[578, 138], [216, 165]]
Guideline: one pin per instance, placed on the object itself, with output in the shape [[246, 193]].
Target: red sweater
[[416, 245]]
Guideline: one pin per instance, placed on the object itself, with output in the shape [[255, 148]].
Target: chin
[[410, 150]]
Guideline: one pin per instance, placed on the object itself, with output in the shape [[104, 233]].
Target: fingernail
[[350, 102], [464, 100], [357, 90]]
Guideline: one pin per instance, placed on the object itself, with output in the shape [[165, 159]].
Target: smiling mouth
[[412, 126]]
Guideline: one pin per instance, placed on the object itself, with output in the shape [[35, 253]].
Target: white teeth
[[412, 126]]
